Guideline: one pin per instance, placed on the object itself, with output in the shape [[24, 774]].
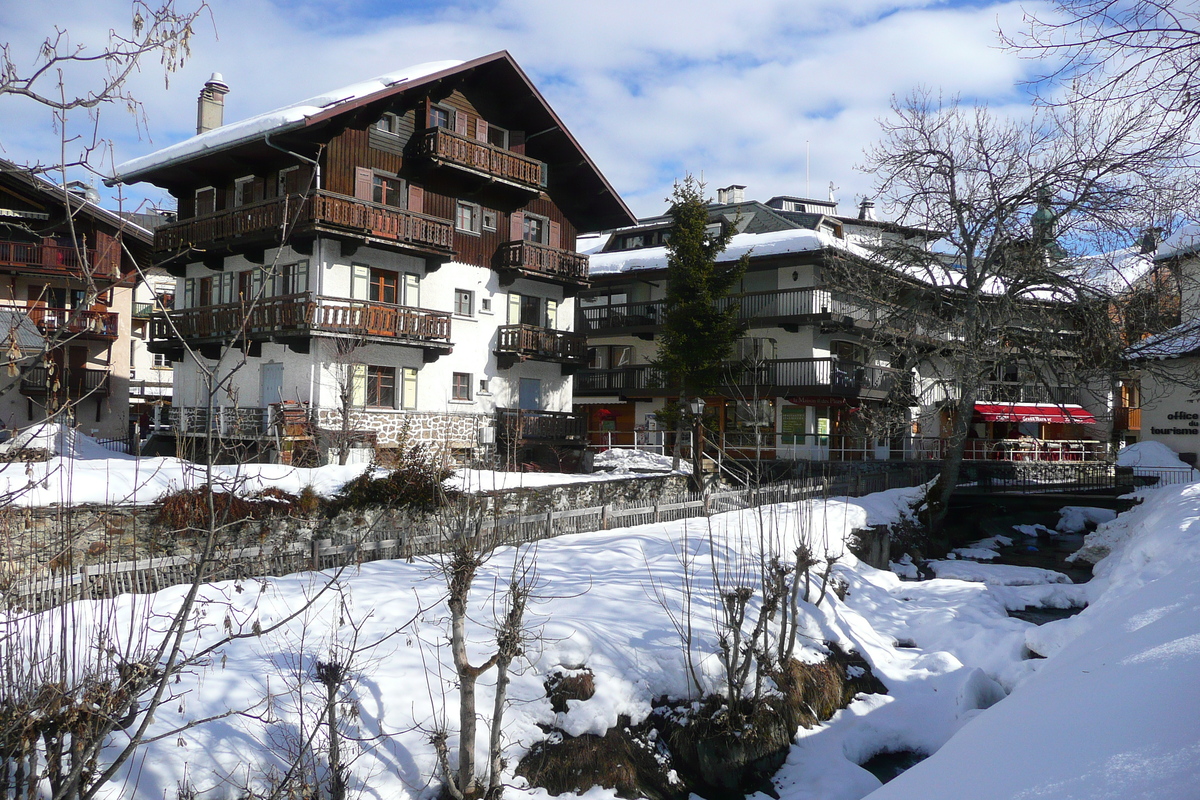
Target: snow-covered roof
[[1182, 340], [1182, 242], [280, 119], [800, 240], [1112, 273]]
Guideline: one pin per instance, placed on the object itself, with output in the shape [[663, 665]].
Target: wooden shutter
[[363, 182], [481, 130], [514, 308], [552, 314], [300, 279], [360, 281], [555, 234], [358, 385], [416, 199], [189, 293], [412, 290], [408, 394], [516, 226], [108, 254], [206, 201], [516, 141], [460, 122]]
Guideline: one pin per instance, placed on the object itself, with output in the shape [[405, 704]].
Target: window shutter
[[363, 180], [358, 385], [460, 122], [300, 284], [412, 289], [416, 199], [481, 130], [516, 226], [514, 308], [516, 141], [552, 314], [555, 234], [206, 201], [189, 293], [408, 397], [360, 280]]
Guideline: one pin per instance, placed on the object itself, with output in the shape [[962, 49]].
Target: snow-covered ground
[[1111, 712], [82, 471]]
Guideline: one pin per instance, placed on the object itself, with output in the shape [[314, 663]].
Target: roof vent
[[84, 191], [731, 194], [866, 209], [210, 108]]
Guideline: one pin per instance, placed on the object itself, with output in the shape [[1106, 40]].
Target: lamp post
[[696, 406]]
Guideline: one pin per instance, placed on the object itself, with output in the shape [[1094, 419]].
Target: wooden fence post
[[315, 555], [605, 511], [550, 524]]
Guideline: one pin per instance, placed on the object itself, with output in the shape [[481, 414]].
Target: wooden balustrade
[[541, 344], [75, 322], [295, 213], [457, 150], [74, 382], [543, 260], [306, 313], [46, 256], [515, 425]]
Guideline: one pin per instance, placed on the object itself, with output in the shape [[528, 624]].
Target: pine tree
[[698, 331]]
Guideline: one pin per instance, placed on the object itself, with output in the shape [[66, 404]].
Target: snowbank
[[1155, 459]]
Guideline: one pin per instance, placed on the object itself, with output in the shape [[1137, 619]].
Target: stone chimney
[[866, 209], [210, 108], [731, 194]]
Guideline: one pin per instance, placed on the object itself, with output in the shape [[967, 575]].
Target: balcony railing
[[304, 314], [74, 322], [237, 423], [1023, 449], [76, 382], [542, 260], [777, 306], [820, 376], [463, 152], [514, 425], [541, 344], [46, 256], [1127, 419], [294, 213], [1015, 392]]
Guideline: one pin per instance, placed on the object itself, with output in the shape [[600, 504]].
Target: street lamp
[[696, 406]]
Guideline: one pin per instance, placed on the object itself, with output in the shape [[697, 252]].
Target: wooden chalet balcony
[[1127, 419], [522, 342], [303, 315], [261, 224], [48, 258], [515, 425], [1016, 392], [543, 262], [74, 323], [447, 148], [817, 377], [784, 307], [77, 382]]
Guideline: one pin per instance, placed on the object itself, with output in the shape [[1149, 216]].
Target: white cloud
[[650, 87]]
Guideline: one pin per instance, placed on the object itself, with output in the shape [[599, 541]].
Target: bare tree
[[1002, 204]]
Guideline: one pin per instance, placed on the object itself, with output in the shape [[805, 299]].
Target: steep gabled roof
[[50, 194], [575, 183]]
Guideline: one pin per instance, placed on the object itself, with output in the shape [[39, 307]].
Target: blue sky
[[651, 88]]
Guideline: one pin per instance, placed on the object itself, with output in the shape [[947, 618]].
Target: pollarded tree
[[698, 332], [1007, 200]]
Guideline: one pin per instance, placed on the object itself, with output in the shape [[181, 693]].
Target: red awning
[[1033, 412]]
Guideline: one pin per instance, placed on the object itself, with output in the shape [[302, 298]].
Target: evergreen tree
[[698, 331]]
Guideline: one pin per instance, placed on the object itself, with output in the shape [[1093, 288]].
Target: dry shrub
[[417, 481], [188, 508], [623, 759]]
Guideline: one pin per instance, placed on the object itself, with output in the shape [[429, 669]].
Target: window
[[389, 123], [489, 220], [288, 181], [381, 387], [535, 229], [483, 386], [610, 356], [464, 303], [524, 309], [441, 117], [485, 305], [206, 292], [291, 279], [161, 362], [468, 217], [497, 136], [460, 388], [384, 286], [387, 191]]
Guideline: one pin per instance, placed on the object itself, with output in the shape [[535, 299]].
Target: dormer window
[[389, 123]]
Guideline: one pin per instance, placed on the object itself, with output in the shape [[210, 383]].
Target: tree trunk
[[947, 482]]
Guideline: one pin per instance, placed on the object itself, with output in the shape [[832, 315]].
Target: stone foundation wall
[[440, 431]]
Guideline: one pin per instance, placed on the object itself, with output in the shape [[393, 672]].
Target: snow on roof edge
[[286, 117]]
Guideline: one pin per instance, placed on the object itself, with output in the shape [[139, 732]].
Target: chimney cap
[[217, 82], [866, 209]]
